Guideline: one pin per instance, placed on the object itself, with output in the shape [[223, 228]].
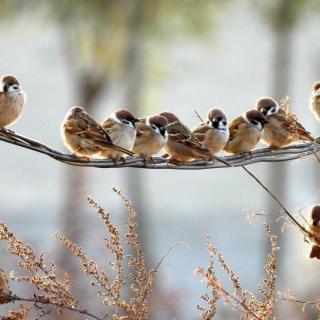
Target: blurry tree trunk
[[283, 24], [134, 78], [72, 219]]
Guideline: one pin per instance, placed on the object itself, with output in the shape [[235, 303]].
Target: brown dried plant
[[129, 272], [245, 301]]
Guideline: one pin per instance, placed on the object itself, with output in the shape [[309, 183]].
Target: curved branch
[[45, 301], [292, 152]]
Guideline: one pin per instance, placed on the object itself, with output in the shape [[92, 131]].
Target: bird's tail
[[315, 252], [307, 136], [221, 160], [115, 147], [210, 156]]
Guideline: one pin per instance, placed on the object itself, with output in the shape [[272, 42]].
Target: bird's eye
[[224, 122], [255, 122], [154, 127], [126, 121]]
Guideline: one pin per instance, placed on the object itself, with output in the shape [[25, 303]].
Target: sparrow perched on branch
[[314, 228], [84, 137], [182, 145], [120, 126], [151, 136], [315, 100], [12, 101], [214, 132], [245, 132], [283, 127], [5, 292]]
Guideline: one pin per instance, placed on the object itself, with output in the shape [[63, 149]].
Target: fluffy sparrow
[[151, 136], [182, 145], [315, 100], [282, 128], [214, 132], [12, 101], [120, 126], [4, 288], [245, 132], [315, 229], [84, 137]]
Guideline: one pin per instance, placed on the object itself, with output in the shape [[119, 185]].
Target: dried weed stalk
[[129, 272], [245, 301], [289, 296]]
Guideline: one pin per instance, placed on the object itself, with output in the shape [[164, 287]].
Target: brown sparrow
[[214, 133], [5, 292], [315, 100], [245, 132], [182, 145], [151, 136], [282, 128], [314, 228], [84, 137], [120, 126], [12, 101]]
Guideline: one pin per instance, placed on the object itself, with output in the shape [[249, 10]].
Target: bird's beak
[[134, 121]]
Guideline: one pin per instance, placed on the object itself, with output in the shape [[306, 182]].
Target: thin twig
[[293, 152], [242, 304], [304, 230], [48, 302], [315, 302], [198, 115]]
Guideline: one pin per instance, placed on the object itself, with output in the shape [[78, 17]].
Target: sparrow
[[120, 126], [282, 128], [314, 228], [151, 136], [315, 100], [5, 292], [182, 145], [245, 132], [12, 100], [84, 137], [214, 132]]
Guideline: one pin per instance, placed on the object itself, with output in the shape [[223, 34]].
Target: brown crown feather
[[265, 102], [125, 114], [316, 86], [9, 79], [216, 114], [77, 109], [169, 116], [158, 120], [256, 115], [315, 214]]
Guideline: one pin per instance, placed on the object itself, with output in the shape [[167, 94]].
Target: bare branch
[[293, 152], [46, 301]]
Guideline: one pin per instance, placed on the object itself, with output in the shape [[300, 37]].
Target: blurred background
[[151, 56]]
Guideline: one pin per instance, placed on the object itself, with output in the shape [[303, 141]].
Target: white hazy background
[[230, 69]]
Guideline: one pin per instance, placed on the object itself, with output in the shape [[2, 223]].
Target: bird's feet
[[6, 131]]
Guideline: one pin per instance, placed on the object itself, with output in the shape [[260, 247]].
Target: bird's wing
[[200, 131], [234, 127], [92, 129], [183, 135], [141, 128], [290, 122]]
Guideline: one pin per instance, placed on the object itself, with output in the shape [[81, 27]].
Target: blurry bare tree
[[282, 17], [104, 42]]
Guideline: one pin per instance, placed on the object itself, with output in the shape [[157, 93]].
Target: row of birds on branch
[[122, 134]]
